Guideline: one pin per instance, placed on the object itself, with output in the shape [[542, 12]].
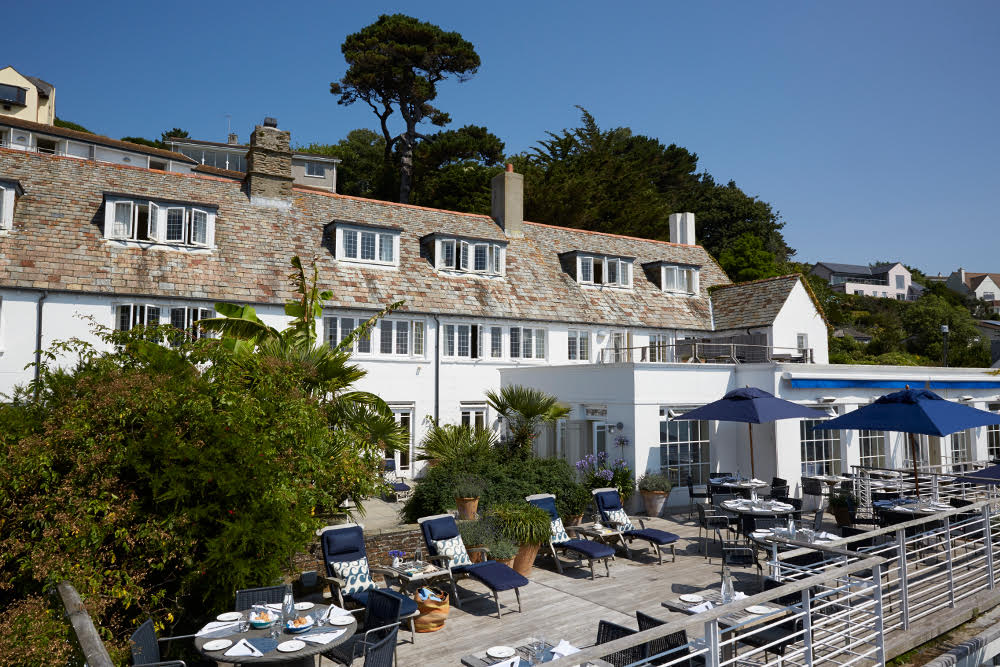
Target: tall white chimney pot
[[682, 228]]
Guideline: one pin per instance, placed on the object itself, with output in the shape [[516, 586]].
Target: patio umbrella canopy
[[989, 475], [912, 411], [751, 406]]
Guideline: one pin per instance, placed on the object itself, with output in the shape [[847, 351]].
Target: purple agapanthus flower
[[605, 474]]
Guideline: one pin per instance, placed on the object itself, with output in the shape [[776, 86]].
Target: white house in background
[[26, 97], [308, 169], [889, 281], [984, 286]]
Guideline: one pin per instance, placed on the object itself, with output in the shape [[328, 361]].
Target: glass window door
[[404, 458], [599, 433]]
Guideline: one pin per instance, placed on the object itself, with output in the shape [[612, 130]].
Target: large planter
[[475, 556], [525, 558], [467, 507], [509, 562], [653, 500], [842, 513]]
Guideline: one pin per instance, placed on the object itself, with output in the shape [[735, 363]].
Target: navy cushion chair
[[609, 632], [383, 652], [344, 550], [382, 615], [559, 539], [609, 504], [440, 534], [696, 496], [146, 648], [400, 489], [668, 649]]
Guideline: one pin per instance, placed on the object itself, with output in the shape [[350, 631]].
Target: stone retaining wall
[[377, 542]]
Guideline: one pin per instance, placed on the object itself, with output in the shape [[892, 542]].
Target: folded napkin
[[335, 611], [324, 637], [563, 648], [704, 606], [757, 481], [274, 605], [220, 627], [242, 648], [738, 595]]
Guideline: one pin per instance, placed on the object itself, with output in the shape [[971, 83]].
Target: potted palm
[[526, 526], [654, 488], [468, 489]]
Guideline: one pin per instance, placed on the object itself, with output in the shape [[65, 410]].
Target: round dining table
[[767, 536], [303, 657], [924, 507], [757, 507]]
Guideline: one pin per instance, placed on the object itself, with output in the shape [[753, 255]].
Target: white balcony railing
[[706, 352]]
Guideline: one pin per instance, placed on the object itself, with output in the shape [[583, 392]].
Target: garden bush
[[505, 480], [157, 482]]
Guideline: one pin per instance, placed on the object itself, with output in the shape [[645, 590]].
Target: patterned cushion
[[558, 532], [619, 518], [454, 548], [355, 573]]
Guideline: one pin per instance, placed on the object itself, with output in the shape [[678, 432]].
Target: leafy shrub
[[475, 533], [520, 522], [576, 501], [654, 481], [506, 480], [445, 443], [159, 481], [469, 486], [501, 548]]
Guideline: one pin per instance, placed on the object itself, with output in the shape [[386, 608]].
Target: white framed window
[[586, 269], [680, 279], [961, 450], [397, 338], [463, 341], [8, 196], [145, 220], [496, 259], [578, 345], [315, 169], [802, 342], [496, 342], [350, 244], [685, 450], [872, 445], [820, 450], [480, 258], [612, 271], [367, 246], [527, 343], [621, 346], [404, 418], [474, 416], [183, 318], [448, 254], [131, 315], [661, 349], [418, 338], [900, 282], [463, 255], [339, 328], [989, 296]]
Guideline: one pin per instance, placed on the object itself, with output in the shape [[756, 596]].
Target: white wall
[[799, 315]]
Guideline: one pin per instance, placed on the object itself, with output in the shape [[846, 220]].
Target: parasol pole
[[913, 454], [753, 472]]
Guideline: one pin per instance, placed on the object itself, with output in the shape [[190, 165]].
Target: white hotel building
[[626, 331]]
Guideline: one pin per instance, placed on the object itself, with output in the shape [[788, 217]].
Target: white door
[[404, 458], [599, 437]]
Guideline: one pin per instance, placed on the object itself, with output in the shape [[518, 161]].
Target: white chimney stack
[[682, 228], [507, 202]]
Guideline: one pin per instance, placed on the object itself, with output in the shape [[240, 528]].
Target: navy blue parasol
[[913, 411], [989, 475], [752, 406]]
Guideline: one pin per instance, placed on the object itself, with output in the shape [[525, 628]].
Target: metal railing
[[705, 352], [841, 280], [834, 618]]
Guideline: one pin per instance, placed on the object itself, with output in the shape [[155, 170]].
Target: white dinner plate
[[764, 532], [291, 646], [500, 652], [302, 606], [691, 597], [229, 616], [340, 620], [758, 609], [216, 645]]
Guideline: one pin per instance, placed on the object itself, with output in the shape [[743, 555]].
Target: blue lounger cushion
[[589, 548], [658, 537], [408, 607], [495, 576]]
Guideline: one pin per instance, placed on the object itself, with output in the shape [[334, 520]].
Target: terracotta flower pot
[[653, 500], [509, 562], [467, 507], [525, 559], [475, 556]]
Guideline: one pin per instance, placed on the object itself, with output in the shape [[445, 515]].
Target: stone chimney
[[682, 228], [234, 139], [269, 166], [507, 202]]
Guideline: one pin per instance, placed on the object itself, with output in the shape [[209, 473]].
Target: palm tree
[[452, 442], [525, 409]]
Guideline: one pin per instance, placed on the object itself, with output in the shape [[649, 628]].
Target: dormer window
[[602, 270], [679, 278], [467, 255], [368, 245], [171, 223]]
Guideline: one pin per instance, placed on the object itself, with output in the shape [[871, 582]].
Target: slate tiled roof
[[751, 304], [87, 137], [974, 280], [57, 244]]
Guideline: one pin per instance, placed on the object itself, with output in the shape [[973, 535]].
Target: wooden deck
[[569, 606]]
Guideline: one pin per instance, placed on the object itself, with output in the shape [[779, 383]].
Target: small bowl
[[295, 629], [259, 624]]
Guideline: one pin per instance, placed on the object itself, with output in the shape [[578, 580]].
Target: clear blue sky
[[871, 126]]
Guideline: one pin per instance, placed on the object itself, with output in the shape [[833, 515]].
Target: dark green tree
[[396, 64], [70, 125], [746, 259], [362, 171], [923, 320], [453, 169]]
